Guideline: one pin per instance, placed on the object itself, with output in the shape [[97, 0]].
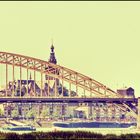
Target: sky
[[97, 39]]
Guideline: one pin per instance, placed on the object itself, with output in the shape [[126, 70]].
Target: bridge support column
[[6, 111], [27, 81], [70, 87], [138, 117], [41, 93], [48, 86], [13, 83], [90, 115], [38, 105], [20, 80], [6, 78], [34, 80], [55, 88]]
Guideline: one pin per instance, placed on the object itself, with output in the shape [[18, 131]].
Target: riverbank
[[103, 131], [67, 135]]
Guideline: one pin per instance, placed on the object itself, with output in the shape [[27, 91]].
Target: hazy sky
[[98, 39]]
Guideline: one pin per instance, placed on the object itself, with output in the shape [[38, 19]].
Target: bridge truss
[[55, 72]]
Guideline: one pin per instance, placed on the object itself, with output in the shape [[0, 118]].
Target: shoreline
[[103, 131]]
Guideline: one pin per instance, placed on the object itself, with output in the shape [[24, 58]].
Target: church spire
[[52, 55]]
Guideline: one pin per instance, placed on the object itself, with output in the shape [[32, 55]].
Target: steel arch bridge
[[57, 72]]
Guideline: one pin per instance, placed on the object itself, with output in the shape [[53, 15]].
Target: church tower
[[51, 82], [52, 56], [52, 59]]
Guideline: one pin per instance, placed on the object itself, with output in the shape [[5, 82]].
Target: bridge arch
[[60, 72]]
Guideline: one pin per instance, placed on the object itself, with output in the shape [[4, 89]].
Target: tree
[[15, 113], [31, 113], [44, 113], [1, 112]]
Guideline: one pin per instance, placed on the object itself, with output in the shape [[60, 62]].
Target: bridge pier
[[90, 108], [138, 117]]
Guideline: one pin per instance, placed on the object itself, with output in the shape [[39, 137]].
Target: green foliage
[[32, 113], [44, 112], [69, 135], [15, 113], [1, 112], [130, 136], [12, 136]]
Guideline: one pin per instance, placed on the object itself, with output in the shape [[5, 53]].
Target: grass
[[69, 135]]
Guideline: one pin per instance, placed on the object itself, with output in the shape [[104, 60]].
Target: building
[[51, 84], [126, 92]]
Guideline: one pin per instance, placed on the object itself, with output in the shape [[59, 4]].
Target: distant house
[[31, 84], [126, 92]]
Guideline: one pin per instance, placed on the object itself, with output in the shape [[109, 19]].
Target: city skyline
[[97, 39]]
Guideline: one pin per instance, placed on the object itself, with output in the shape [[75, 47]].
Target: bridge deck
[[69, 100]]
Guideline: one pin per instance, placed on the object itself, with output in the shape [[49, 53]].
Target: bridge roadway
[[67, 100]]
